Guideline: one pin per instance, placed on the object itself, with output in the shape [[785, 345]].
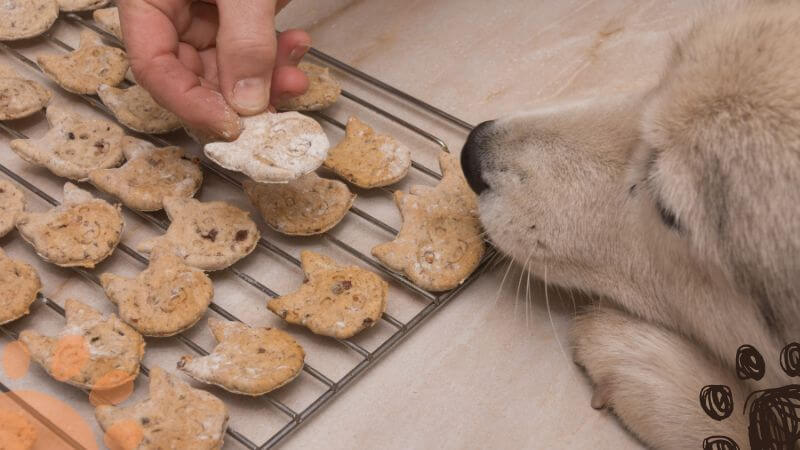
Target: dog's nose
[[471, 154]]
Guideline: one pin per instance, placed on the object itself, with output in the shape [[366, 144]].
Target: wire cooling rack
[[366, 354]]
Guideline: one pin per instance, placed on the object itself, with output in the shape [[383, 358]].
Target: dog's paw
[[597, 351], [773, 414]]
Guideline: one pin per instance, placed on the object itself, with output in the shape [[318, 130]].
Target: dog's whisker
[[519, 283], [553, 325], [528, 300], [503, 281]]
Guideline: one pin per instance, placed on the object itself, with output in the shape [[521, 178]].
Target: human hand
[[209, 61]]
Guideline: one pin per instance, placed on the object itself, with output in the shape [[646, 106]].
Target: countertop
[[490, 370]]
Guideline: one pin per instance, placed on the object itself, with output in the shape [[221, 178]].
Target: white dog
[[682, 206]]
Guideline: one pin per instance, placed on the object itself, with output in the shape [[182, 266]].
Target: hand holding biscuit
[[210, 61]]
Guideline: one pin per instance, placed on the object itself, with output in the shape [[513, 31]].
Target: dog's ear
[[723, 133]]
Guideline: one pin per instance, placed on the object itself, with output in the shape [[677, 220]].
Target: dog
[[681, 205]]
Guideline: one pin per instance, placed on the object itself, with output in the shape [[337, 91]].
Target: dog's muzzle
[[474, 149]]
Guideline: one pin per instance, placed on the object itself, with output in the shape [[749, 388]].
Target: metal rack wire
[[433, 302]]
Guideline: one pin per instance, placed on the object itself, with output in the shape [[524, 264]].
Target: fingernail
[[297, 53], [250, 95]]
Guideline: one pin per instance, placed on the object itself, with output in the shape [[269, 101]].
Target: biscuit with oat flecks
[[323, 90], [19, 286], [368, 159], [81, 5], [82, 71], [173, 416], [149, 174], [207, 235], [20, 97], [17, 432], [306, 206], [135, 108], [12, 204], [336, 301], [73, 146], [92, 351], [247, 360], [273, 147], [440, 243], [108, 20], [80, 232], [23, 19], [163, 300]]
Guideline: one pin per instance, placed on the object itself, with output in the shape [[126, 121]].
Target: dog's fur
[[681, 205]]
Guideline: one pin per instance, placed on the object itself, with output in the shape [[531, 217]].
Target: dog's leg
[[652, 379]]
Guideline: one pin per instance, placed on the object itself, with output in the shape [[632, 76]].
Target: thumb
[[246, 48]]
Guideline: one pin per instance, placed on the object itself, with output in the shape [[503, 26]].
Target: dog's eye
[[667, 216]]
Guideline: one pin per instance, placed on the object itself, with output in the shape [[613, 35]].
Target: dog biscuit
[[149, 175], [17, 432], [85, 69], [248, 361], [367, 159], [74, 145], [81, 232], [20, 97], [208, 236], [440, 243], [273, 148], [19, 285], [174, 416], [108, 20], [136, 109], [306, 206], [323, 90], [92, 351], [12, 204], [22, 19], [165, 299], [336, 301]]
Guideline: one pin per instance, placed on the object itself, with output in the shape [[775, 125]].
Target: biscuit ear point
[[74, 195], [174, 205], [448, 164], [90, 39], [104, 415], [148, 245], [161, 255], [36, 344], [134, 148], [78, 311], [315, 262], [159, 381], [25, 149], [56, 115], [390, 254], [219, 328], [111, 282], [356, 127]]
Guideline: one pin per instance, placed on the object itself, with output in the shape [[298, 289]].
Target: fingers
[[201, 30], [151, 39], [287, 79], [246, 48]]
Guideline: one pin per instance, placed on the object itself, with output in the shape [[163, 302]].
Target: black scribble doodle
[[717, 401], [749, 363], [774, 414], [719, 443]]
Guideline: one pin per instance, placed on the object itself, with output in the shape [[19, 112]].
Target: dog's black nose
[[471, 154]]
